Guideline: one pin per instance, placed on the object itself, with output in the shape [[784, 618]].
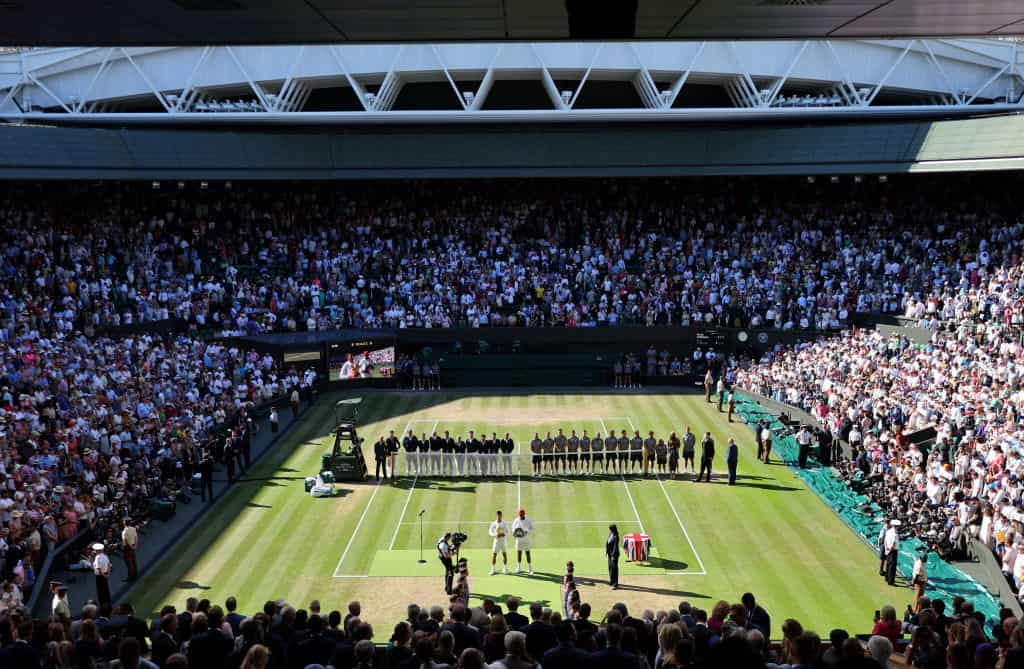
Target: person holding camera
[[444, 554]]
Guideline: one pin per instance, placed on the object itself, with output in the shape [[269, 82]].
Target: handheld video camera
[[458, 538]]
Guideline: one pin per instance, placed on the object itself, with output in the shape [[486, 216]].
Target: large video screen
[[366, 359]]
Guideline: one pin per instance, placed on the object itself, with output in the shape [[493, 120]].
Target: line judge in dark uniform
[[611, 549], [732, 458], [410, 444], [380, 454], [392, 443], [707, 456]]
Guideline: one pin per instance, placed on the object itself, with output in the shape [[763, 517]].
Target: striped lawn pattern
[[769, 534]]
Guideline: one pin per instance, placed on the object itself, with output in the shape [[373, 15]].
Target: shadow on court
[[464, 485], [761, 486], [191, 585], [663, 591], [255, 505], [655, 562], [501, 599]]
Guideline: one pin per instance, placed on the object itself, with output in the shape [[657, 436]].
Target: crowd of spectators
[[254, 259], [92, 406], [93, 430], [884, 394], [96, 425], [498, 635]]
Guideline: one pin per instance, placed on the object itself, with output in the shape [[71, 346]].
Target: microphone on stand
[[420, 516]]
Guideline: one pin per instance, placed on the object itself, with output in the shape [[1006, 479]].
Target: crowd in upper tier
[[301, 257]]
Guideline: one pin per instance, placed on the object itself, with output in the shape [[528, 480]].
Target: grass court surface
[[768, 534]]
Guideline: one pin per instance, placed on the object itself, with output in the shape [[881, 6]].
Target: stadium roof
[[191, 22]]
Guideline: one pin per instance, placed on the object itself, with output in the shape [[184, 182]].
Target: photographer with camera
[[445, 550]]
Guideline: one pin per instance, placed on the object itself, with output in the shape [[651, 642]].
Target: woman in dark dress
[[673, 455], [611, 549]]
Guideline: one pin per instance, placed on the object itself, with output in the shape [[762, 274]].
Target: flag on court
[[637, 547]]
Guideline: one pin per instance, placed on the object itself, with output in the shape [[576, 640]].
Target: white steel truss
[[274, 83]]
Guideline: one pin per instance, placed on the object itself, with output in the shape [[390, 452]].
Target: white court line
[[700, 563], [632, 503], [359, 524], [408, 497], [632, 427], [519, 477], [536, 522], [376, 489], [628, 493], [405, 506], [686, 534]]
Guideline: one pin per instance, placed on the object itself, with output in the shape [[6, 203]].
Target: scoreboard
[[710, 338]]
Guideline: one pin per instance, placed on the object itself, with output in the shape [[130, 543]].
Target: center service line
[[405, 506], [626, 486], [359, 524]]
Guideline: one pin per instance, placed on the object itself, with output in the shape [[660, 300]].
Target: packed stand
[[883, 394], [94, 430], [758, 253], [506, 635]]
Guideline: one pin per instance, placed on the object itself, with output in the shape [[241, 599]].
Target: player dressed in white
[[499, 530], [522, 530]]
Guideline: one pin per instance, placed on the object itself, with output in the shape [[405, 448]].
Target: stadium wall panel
[[467, 151]]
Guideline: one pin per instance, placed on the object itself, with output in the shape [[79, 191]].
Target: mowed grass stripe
[[784, 545], [301, 521], [791, 543], [162, 580]]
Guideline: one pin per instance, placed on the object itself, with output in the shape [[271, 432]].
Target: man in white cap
[[101, 568], [60, 608], [881, 547], [522, 530], [891, 546]]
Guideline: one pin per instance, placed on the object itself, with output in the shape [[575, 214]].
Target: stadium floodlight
[[566, 97], [155, 185], [227, 185], [883, 178], [468, 96], [857, 178], [811, 179], [834, 179], [181, 185], [203, 185]]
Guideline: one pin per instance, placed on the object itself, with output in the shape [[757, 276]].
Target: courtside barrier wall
[[865, 518]]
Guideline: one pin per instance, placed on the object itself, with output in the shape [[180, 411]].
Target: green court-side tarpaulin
[[865, 517]]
